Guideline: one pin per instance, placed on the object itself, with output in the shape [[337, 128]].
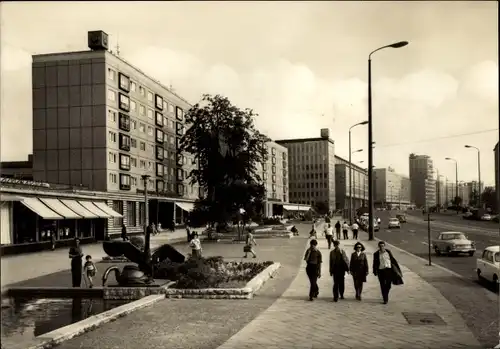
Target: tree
[[489, 198], [474, 198], [457, 201], [228, 149], [321, 207]]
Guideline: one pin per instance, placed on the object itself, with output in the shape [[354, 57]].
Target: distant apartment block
[[311, 164], [391, 189], [423, 186]]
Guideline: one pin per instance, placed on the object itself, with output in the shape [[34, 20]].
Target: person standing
[[313, 259], [355, 229], [89, 270], [195, 245], [249, 243], [337, 229], [345, 230], [329, 235], [313, 234], [76, 254], [387, 269], [358, 268], [124, 233], [339, 265]]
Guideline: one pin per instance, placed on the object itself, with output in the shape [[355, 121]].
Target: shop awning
[[94, 209], [296, 208], [57, 206], [186, 206], [8, 197], [105, 208], [82, 211], [40, 208]]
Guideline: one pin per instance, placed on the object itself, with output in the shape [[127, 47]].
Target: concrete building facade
[[423, 184], [391, 189], [18, 169], [311, 164], [342, 185]]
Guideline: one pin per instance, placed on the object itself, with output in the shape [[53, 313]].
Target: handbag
[[247, 248]]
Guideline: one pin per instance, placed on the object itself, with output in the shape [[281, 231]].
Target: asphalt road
[[454, 219], [413, 237]]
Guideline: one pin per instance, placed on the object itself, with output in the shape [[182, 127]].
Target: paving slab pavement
[[294, 322]]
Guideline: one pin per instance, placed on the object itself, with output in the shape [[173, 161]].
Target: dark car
[[401, 218]]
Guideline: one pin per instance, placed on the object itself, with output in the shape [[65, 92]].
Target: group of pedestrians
[[384, 266]]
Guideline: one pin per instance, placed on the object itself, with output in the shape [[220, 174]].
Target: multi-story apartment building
[[391, 189], [100, 122], [311, 164], [497, 175], [423, 186], [359, 177], [442, 198], [274, 174], [472, 191], [463, 192]]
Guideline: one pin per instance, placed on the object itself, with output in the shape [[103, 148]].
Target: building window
[[165, 105], [142, 110], [124, 181], [179, 114], [171, 124], [112, 158], [124, 143], [133, 162], [142, 213], [180, 160], [165, 121], [274, 178], [124, 122], [118, 207], [170, 108], [179, 129], [274, 169], [142, 146], [133, 86], [171, 140], [159, 102], [133, 181], [111, 74], [133, 105], [180, 174], [133, 143], [124, 82], [273, 160], [125, 163], [142, 164], [165, 154], [133, 124], [159, 135], [131, 214], [150, 130], [124, 102], [111, 115], [159, 169], [159, 153], [111, 95], [180, 189], [152, 149], [112, 178], [159, 119], [150, 96], [142, 91], [177, 143], [142, 127], [150, 114], [160, 185], [112, 136]]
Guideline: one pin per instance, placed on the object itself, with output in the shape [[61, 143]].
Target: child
[[89, 269], [195, 245]]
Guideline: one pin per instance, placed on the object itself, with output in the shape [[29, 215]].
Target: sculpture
[[142, 273]]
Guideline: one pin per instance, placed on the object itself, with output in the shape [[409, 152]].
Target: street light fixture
[[350, 167], [456, 180], [370, 135], [478, 171]]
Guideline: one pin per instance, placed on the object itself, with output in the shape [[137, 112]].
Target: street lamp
[[456, 180], [147, 236], [350, 167], [478, 171], [370, 135]]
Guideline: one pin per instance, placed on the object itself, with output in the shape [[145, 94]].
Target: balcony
[[124, 181], [124, 162]]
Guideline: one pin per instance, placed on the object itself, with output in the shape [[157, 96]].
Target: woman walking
[[313, 259], [358, 268]]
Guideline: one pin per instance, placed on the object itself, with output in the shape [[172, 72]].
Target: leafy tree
[[228, 148], [489, 198], [457, 201], [321, 207]]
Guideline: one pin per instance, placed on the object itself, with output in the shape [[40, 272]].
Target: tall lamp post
[[456, 180], [370, 135], [147, 236], [350, 169], [478, 171]]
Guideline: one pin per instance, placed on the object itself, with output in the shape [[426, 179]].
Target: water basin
[[25, 319]]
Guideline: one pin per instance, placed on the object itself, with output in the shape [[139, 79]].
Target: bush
[[137, 241], [211, 272], [271, 221]]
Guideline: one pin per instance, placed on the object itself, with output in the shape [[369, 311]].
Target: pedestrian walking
[[124, 233], [339, 265], [355, 229], [313, 259], [358, 268], [195, 245], [312, 233], [76, 254], [249, 243], [337, 229], [52, 241], [329, 234], [188, 232], [345, 230], [387, 269], [89, 270]]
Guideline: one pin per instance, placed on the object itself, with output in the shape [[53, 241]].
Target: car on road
[[453, 243], [467, 215], [394, 223], [488, 265], [401, 218], [486, 217]]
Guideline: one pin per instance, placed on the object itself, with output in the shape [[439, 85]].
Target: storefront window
[[118, 207]]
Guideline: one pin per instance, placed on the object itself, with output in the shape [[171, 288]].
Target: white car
[[486, 217], [394, 223], [488, 265]]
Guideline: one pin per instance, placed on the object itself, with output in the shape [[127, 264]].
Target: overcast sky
[[301, 66]]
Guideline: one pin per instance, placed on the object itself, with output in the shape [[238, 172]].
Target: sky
[[301, 66]]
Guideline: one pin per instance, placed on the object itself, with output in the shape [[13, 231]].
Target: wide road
[[453, 219], [412, 237]]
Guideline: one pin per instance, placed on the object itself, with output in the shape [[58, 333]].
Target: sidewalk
[[294, 322], [31, 265]]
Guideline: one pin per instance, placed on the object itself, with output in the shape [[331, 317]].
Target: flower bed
[[212, 272]]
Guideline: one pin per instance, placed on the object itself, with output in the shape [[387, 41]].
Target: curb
[[245, 292], [65, 333]]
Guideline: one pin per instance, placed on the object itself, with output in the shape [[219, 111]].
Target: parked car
[[401, 218], [488, 265], [394, 223], [486, 217], [452, 243]]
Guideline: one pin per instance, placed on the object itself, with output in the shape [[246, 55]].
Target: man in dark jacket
[[337, 230], [124, 233], [313, 259], [387, 269], [339, 265]]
